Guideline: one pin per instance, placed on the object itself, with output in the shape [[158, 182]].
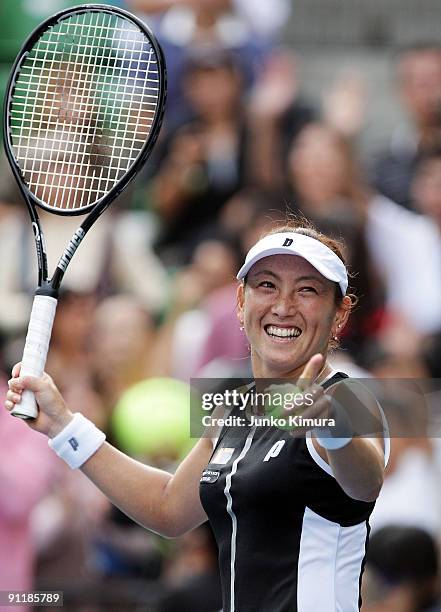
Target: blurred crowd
[[149, 302]]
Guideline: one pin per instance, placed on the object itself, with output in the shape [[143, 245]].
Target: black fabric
[[269, 501]]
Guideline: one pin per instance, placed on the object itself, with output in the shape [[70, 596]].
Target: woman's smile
[[282, 334]]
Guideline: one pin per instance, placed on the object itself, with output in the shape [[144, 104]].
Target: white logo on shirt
[[275, 450]]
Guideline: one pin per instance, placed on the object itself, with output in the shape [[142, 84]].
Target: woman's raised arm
[[165, 503]]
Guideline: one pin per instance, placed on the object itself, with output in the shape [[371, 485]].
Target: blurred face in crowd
[[318, 168], [122, 334], [426, 188], [216, 262], [213, 91], [213, 266], [419, 74], [208, 11], [72, 325], [289, 314]]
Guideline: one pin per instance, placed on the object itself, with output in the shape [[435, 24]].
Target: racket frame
[[46, 294], [46, 285]]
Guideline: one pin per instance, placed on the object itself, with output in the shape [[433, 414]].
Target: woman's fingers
[[13, 397], [318, 410], [310, 372], [26, 382], [16, 370]]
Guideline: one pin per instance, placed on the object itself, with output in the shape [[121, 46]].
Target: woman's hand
[[358, 466], [53, 414], [305, 399]]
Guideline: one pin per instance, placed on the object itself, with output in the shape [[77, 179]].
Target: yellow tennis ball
[[152, 419]]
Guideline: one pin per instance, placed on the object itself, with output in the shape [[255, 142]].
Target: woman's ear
[[342, 314], [240, 302]]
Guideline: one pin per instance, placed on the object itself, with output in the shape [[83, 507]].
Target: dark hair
[[423, 46], [207, 57], [402, 554]]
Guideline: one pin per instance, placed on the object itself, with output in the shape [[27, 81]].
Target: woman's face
[[289, 314]]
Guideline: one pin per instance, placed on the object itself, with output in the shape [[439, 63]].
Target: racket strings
[[82, 108]]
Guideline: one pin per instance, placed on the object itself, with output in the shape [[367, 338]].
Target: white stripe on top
[[329, 566], [232, 515]]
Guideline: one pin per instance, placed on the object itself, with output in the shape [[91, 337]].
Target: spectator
[[69, 355], [191, 577], [58, 523], [403, 246], [123, 341], [204, 160], [413, 464], [402, 571], [67, 519], [276, 116], [426, 186], [243, 27], [419, 85], [325, 175], [15, 303], [328, 187], [103, 264], [259, 18], [204, 292], [328, 184]]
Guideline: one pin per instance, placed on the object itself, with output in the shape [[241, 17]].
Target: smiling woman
[[292, 304], [288, 507], [300, 303]]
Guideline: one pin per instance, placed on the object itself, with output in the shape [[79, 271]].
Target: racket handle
[[35, 351]]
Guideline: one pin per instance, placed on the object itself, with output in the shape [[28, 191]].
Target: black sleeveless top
[[289, 538]]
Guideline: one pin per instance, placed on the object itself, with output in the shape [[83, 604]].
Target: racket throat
[[48, 289], [64, 261]]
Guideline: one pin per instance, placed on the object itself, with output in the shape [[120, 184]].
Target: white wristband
[[331, 443], [342, 431], [78, 441]]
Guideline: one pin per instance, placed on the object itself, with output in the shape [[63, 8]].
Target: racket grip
[[35, 351]]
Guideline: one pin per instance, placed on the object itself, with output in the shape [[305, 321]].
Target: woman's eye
[[267, 284], [308, 289]]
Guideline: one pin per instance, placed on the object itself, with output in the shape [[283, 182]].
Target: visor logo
[[288, 242]]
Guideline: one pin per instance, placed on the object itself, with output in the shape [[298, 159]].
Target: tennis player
[[289, 512]]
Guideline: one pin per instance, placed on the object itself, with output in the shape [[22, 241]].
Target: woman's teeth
[[283, 332]]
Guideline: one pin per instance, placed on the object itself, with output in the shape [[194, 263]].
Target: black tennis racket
[[83, 108]]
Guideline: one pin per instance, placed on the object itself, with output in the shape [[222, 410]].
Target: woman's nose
[[283, 306]]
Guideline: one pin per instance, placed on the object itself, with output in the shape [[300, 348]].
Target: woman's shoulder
[[358, 397], [362, 390]]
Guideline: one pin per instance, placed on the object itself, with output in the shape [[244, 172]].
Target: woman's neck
[[262, 378]]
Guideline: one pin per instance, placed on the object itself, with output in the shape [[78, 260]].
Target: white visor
[[321, 257]]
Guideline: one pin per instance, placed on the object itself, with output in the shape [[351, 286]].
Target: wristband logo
[[74, 443]]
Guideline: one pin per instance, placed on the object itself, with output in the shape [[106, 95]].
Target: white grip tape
[[35, 350]]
